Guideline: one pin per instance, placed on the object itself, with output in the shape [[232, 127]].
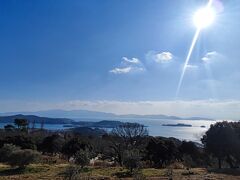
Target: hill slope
[[36, 119]]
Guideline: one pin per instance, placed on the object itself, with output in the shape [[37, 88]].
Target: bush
[[132, 159], [22, 158], [189, 161], [9, 127], [23, 141], [6, 152], [15, 156], [71, 147], [72, 173], [75, 173], [52, 144], [162, 151], [82, 158]]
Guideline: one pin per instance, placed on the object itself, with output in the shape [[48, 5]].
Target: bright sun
[[204, 17]]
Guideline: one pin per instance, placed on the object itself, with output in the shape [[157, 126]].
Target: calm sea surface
[[155, 127], [193, 133]]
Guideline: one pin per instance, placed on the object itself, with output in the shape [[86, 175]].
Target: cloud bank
[[228, 109]]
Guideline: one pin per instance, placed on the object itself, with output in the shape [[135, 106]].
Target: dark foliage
[[127, 145], [132, 159], [82, 158], [222, 140], [21, 123], [162, 151], [192, 155], [9, 127], [22, 140], [75, 144], [15, 156], [22, 158], [52, 144]]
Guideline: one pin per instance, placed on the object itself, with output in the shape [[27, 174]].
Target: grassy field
[[43, 171]]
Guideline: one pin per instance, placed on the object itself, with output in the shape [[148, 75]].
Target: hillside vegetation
[[125, 152]]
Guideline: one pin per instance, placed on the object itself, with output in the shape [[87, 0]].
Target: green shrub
[[72, 173], [15, 156], [82, 158], [6, 152], [22, 158], [131, 159]]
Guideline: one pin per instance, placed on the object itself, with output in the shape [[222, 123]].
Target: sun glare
[[204, 17]]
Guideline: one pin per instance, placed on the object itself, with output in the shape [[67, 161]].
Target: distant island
[[64, 121], [178, 125]]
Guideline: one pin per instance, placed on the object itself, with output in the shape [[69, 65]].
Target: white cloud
[[128, 65], [133, 60], [162, 57], [210, 56], [121, 70], [189, 66]]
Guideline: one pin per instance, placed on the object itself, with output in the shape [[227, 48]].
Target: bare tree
[[125, 137], [131, 133]]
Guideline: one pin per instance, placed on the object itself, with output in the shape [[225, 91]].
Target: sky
[[119, 56]]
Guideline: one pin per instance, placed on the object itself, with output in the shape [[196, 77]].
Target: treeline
[[127, 145], [222, 140]]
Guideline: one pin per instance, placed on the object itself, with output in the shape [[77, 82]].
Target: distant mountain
[[36, 119], [160, 116], [73, 114], [91, 115], [197, 118], [65, 121]]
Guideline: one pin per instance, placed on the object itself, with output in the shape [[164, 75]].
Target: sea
[[155, 127]]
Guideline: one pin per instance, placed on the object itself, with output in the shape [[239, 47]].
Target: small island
[[178, 125]]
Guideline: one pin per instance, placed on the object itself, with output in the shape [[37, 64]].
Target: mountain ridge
[[35, 119], [87, 114]]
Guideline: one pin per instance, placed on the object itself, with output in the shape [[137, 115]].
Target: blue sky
[[54, 53]]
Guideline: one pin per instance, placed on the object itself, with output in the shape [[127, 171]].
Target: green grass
[[151, 172], [110, 171], [56, 171], [33, 171]]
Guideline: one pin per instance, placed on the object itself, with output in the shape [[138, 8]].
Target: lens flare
[[187, 60], [202, 18]]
